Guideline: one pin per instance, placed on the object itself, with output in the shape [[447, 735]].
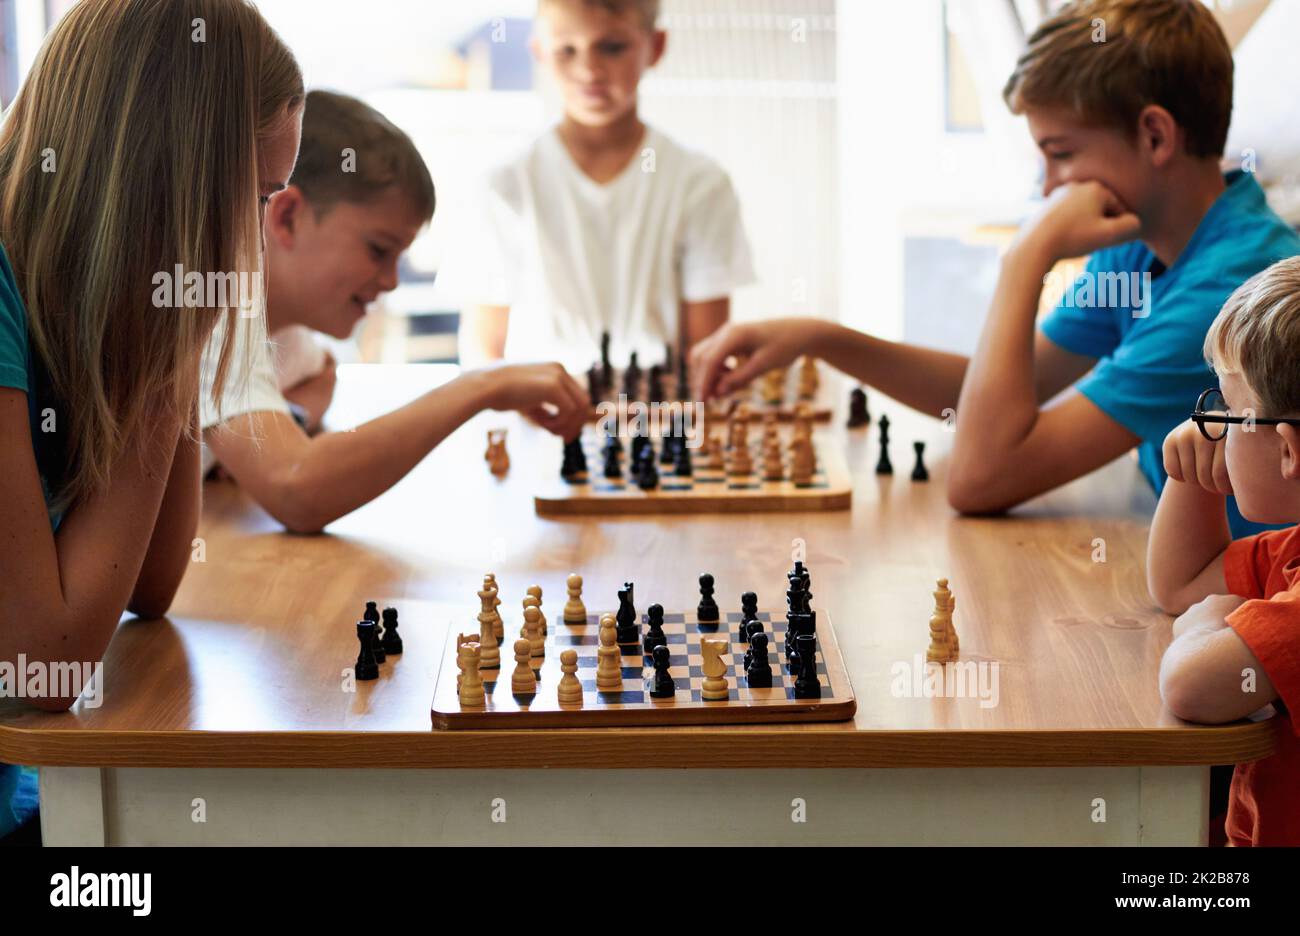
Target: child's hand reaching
[[544, 393], [1192, 458], [758, 347]]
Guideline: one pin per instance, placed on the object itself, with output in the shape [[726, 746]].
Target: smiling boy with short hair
[[358, 197]]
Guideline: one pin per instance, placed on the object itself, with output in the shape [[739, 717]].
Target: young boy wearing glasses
[[1236, 644]]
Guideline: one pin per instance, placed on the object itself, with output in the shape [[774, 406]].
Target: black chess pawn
[[668, 447], [707, 610], [625, 619], [858, 414], [654, 635], [806, 684], [655, 387], [748, 612], [377, 647], [594, 389], [639, 443], [574, 464], [758, 670], [682, 466], [647, 478], [613, 464], [919, 473], [752, 629], [392, 641], [884, 466], [663, 686], [366, 666]]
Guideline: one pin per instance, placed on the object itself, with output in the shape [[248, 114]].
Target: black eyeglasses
[[1211, 417]]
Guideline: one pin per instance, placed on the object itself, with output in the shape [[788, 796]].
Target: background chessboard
[[820, 406], [634, 705], [706, 491]]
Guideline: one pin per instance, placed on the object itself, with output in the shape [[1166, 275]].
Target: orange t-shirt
[[1264, 805]]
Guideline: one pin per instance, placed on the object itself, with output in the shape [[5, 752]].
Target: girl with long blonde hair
[[142, 141]]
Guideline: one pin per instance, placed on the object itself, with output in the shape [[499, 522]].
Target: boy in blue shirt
[[1132, 123]]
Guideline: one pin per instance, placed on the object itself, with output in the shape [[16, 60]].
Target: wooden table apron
[[248, 671]]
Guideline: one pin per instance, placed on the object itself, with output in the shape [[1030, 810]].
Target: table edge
[[638, 748]]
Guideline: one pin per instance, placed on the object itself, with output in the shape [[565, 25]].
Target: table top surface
[[249, 668]]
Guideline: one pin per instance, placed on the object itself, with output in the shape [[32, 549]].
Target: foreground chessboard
[[706, 491], [634, 705]]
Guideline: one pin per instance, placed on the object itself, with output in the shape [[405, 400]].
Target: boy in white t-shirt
[[603, 224], [333, 240]]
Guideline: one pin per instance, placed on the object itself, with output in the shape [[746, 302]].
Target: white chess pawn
[[535, 591], [533, 631], [570, 688], [609, 659], [523, 681], [461, 641], [575, 612], [470, 691]]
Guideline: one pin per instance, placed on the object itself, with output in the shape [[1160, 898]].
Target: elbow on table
[[976, 494], [1170, 599], [1184, 694], [290, 501], [151, 607]]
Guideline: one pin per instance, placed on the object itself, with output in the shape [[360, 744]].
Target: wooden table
[[234, 710]]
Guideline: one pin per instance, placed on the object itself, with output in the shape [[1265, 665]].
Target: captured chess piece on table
[[859, 416], [366, 667], [944, 646], [377, 645], [919, 472], [497, 458], [884, 466], [392, 641]]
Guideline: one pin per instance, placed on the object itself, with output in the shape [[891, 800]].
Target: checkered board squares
[[632, 704], [706, 491]]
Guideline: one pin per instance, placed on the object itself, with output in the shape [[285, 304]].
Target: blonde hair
[[1106, 60], [152, 113], [646, 11], [1257, 335]]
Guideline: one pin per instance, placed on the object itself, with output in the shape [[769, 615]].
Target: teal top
[[17, 784], [1148, 339]]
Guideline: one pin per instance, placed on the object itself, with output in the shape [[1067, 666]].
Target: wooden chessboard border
[[545, 711]]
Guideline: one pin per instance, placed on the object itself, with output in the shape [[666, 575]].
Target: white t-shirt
[[573, 258], [260, 374]]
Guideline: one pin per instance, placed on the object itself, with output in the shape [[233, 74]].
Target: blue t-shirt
[[17, 784], [1147, 324]]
